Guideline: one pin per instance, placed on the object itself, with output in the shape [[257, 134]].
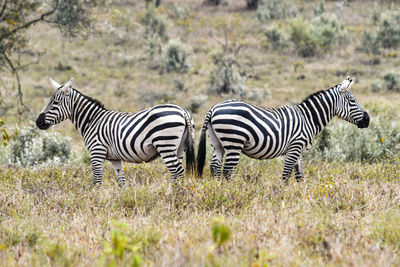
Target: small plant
[[5, 136], [176, 57], [226, 78], [221, 232]]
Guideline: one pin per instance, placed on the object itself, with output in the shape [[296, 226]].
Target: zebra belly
[[149, 154]]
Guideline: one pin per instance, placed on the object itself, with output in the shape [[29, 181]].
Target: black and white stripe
[[163, 130], [236, 127]]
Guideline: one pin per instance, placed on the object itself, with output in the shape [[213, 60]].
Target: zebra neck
[[85, 111], [318, 110]]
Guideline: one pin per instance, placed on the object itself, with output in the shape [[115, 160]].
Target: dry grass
[[343, 214]]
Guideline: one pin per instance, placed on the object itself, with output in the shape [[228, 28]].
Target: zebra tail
[[189, 147], [201, 153]]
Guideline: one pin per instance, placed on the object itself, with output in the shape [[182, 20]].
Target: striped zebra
[[234, 127], [163, 130]]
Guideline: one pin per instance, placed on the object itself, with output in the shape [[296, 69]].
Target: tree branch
[[29, 23], [20, 94], [3, 8]]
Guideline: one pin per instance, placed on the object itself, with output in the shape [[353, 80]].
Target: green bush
[[303, 41], [33, 147], [326, 30], [176, 57], [319, 35], [275, 9], [345, 142], [276, 38], [226, 77]]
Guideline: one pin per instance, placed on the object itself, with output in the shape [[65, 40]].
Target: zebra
[[164, 130], [265, 133]]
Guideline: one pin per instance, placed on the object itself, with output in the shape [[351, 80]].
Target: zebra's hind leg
[[291, 160], [216, 165], [298, 170], [174, 165], [119, 172], [231, 161]]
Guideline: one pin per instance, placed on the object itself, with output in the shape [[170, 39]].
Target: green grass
[[343, 214]]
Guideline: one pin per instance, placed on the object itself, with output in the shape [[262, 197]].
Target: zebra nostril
[[41, 122], [364, 122]]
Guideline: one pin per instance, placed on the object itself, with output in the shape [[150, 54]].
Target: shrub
[[274, 9], [176, 57], [154, 50], [386, 36], [226, 78], [33, 147], [345, 142], [392, 81], [389, 30], [323, 32], [326, 30], [303, 41], [276, 38], [154, 22], [370, 43]]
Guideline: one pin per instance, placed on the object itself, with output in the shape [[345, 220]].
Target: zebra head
[[58, 108], [348, 107]]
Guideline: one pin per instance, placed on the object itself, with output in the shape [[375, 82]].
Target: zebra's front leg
[[97, 167], [231, 161], [298, 170], [119, 172], [291, 160]]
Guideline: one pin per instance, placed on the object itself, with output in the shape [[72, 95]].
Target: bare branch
[[20, 94], [3, 8]]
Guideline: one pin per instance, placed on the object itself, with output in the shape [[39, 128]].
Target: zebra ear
[[346, 84], [55, 84], [68, 86]]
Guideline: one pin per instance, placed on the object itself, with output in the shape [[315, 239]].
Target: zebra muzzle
[[41, 122], [364, 122]]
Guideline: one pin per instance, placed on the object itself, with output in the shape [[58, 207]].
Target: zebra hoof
[[300, 180]]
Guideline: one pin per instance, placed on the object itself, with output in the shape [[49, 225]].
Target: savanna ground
[[346, 212]]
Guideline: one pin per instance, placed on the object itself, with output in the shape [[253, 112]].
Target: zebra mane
[[317, 93], [91, 99]]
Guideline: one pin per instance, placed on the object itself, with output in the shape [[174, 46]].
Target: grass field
[[345, 212]]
